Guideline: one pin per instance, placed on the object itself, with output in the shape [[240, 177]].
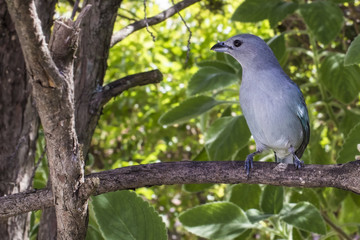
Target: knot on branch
[[88, 188]]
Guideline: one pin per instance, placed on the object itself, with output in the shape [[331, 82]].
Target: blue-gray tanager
[[272, 104]]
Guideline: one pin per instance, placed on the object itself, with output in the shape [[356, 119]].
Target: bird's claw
[[298, 163], [249, 164]]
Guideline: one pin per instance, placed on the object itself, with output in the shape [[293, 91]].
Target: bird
[[272, 104]]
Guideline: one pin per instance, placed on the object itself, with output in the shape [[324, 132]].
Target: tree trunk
[[90, 66], [18, 125], [47, 228]]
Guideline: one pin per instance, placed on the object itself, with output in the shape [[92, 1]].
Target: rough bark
[[343, 176], [18, 125], [90, 65], [45, 10], [47, 227], [51, 76]]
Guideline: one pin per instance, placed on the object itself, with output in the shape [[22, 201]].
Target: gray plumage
[[272, 104]]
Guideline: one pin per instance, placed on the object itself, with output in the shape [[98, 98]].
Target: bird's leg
[[297, 162], [249, 161], [276, 158]]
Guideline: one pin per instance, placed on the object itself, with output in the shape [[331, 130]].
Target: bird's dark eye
[[237, 43]]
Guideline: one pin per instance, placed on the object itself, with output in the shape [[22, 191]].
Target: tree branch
[[36, 53], [116, 87], [126, 31], [343, 176]]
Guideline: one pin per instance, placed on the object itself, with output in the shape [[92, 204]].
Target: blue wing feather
[[303, 116]]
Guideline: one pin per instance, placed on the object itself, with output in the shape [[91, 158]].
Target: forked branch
[[126, 31]]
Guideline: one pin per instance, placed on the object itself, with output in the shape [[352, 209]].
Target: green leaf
[[349, 149], [334, 198], [280, 11], [219, 220], [353, 53], [305, 194], [245, 235], [246, 196], [190, 108], [255, 215], [277, 45], [233, 62], [124, 215], [93, 230], [318, 154], [221, 65], [272, 199], [349, 121], [323, 18], [211, 78], [201, 156], [225, 136], [349, 214], [356, 198], [254, 10], [306, 217], [226, 112], [342, 82], [241, 154]]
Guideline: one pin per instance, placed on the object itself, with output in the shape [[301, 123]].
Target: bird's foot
[[249, 164], [298, 163]]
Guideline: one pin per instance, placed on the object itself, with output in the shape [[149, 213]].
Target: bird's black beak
[[220, 47]]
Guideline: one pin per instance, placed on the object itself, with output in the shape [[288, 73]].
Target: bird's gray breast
[[267, 101]]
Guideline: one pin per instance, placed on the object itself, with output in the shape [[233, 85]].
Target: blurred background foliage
[[196, 104]]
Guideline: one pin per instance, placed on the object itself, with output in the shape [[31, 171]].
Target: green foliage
[[245, 196], [349, 149], [219, 220], [323, 18], [353, 53], [280, 11], [189, 109], [272, 199], [225, 220], [277, 45], [343, 82], [257, 10], [306, 217], [124, 215], [214, 75], [225, 137], [196, 102]]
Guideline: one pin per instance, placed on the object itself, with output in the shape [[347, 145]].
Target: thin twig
[[76, 6], [337, 229], [126, 17], [17, 147], [190, 35], [147, 24], [130, 12], [131, 28]]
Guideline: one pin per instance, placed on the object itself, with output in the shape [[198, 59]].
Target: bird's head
[[249, 50]]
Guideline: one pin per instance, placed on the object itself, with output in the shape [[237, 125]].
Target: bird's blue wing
[[303, 116], [297, 104]]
